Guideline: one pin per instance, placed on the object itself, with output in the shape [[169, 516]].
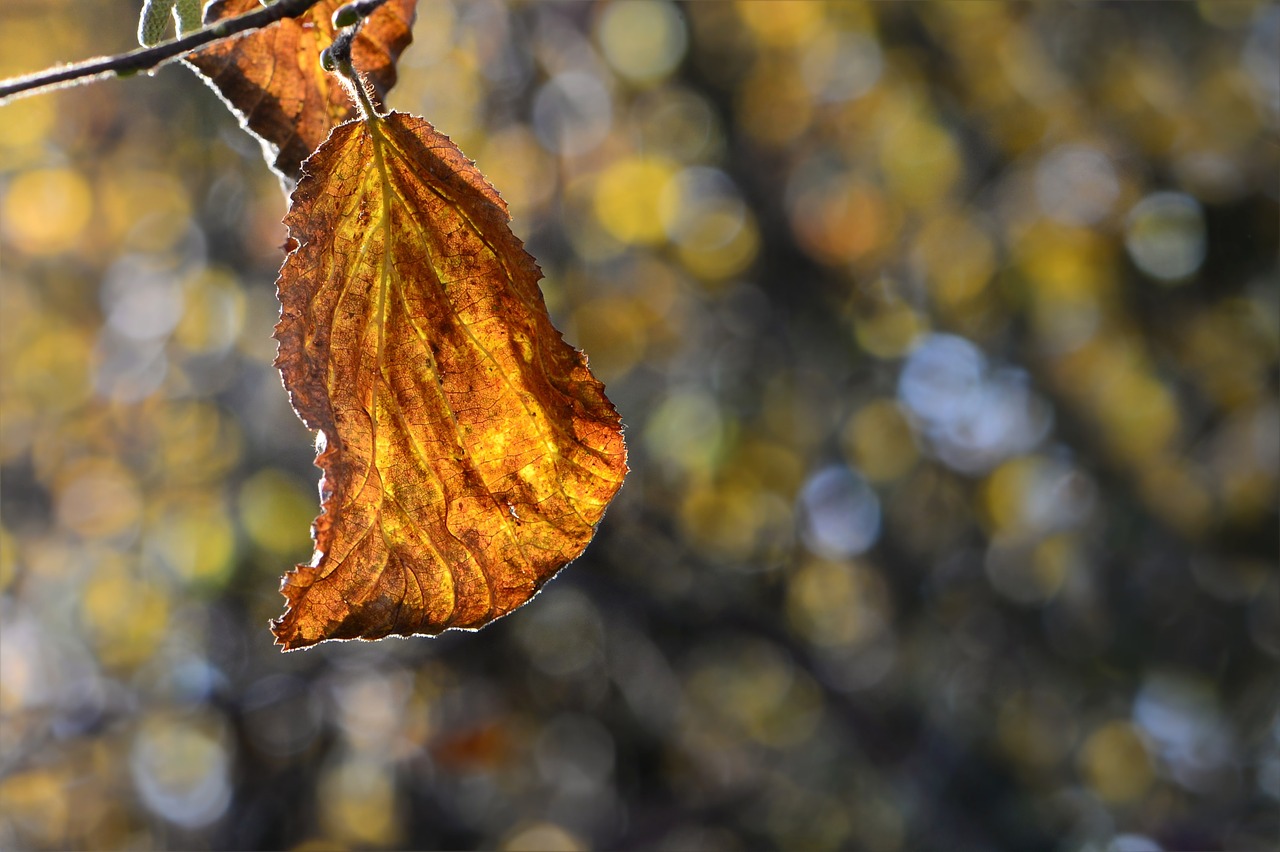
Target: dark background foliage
[[946, 338]]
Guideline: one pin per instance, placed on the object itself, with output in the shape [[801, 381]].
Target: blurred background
[[946, 338]]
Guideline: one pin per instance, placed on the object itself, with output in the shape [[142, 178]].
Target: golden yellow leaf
[[467, 450]]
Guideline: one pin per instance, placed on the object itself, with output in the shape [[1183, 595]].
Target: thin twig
[[144, 59]]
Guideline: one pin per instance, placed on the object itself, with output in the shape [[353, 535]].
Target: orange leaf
[[272, 79], [467, 450]]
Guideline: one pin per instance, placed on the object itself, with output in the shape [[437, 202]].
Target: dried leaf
[[467, 450], [271, 78]]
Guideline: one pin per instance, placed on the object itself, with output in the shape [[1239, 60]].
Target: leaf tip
[[286, 634]]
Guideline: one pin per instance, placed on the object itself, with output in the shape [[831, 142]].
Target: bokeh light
[[946, 340], [644, 40], [1165, 236]]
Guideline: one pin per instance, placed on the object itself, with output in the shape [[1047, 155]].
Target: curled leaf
[[272, 79], [467, 450]]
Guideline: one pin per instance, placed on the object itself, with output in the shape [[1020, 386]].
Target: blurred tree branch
[[144, 59]]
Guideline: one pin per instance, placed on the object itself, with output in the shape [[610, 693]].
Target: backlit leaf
[[272, 79], [467, 450]]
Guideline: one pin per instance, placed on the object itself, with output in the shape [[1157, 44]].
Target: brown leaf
[[467, 450], [272, 79]]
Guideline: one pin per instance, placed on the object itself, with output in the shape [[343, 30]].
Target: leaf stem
[[360, 91], [340, 54], [144, 59]]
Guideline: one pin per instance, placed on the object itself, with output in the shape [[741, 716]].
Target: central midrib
[[384, 281]]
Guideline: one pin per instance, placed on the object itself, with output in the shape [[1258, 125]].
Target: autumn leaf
[[467, 450], [272, 79]]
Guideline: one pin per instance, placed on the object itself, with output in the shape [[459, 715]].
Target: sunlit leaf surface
[[468, 451], [273, 80], [993, 284]]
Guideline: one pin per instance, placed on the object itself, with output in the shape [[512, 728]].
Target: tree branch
[[144, 59]]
